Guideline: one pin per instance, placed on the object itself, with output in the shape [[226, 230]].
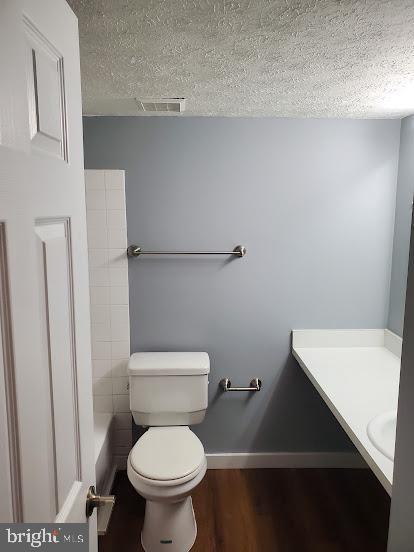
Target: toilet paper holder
[[255, 385]]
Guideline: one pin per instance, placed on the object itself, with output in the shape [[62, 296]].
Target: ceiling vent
[[165, 105]]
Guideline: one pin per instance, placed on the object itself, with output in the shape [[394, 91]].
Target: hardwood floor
[[282, 510]]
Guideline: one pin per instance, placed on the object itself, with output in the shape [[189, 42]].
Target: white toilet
[[168, 392]]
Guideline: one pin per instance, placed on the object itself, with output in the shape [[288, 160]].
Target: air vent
[[176, 105]]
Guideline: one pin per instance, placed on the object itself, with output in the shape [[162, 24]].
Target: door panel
[[46, 93], [59, 348]]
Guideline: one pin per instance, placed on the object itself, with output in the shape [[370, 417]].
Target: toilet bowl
[[164, 467], [168, 392]]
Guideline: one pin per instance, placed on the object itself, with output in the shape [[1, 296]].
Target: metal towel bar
[[136, 251], [255, 385]]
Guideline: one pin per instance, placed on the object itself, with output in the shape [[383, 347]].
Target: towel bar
[[136, 251], [255, 385]]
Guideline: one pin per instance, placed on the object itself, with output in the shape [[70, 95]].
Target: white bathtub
[[104, 464]]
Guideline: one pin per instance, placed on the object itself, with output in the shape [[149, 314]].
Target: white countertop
[[357, 374]]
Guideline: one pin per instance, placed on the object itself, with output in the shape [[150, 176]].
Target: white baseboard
[[243, 460], [246, 460]]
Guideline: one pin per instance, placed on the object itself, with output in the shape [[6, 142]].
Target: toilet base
[[169, 526]]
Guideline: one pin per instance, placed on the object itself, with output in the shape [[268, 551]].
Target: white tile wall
[[108, 275]]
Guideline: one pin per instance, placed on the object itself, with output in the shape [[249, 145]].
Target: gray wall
[[312, 200], [403, 211]]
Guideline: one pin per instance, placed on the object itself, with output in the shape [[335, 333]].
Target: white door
[[46, 425]]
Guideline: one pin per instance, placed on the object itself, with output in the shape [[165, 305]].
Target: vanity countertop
[[357, 373]]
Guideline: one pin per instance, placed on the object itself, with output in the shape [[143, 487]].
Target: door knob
[[105, 505]]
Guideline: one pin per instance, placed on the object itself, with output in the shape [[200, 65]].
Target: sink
[[381, 431]]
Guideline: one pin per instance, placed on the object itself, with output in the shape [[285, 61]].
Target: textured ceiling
[[299, 58]]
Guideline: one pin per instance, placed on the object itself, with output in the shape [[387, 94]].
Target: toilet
[[168, 393]]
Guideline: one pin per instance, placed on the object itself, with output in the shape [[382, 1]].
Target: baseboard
[[250, 460], [109, 481], [244, 460]]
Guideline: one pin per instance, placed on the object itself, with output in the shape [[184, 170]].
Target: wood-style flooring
[[281, 510]]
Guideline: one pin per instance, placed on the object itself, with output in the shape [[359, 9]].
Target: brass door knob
[[97, 501]]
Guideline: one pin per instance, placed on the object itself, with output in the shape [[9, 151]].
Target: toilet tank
[[168, 388]]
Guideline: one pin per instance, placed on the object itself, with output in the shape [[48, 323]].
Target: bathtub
[[105, 467]]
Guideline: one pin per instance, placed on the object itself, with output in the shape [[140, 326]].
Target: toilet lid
[[166, 453]]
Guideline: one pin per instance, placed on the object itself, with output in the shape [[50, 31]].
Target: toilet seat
[[166, 482], [166, 491], [173, 451], [167, 456]]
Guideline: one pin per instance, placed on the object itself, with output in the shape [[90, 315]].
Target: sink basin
[[381, 431]]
